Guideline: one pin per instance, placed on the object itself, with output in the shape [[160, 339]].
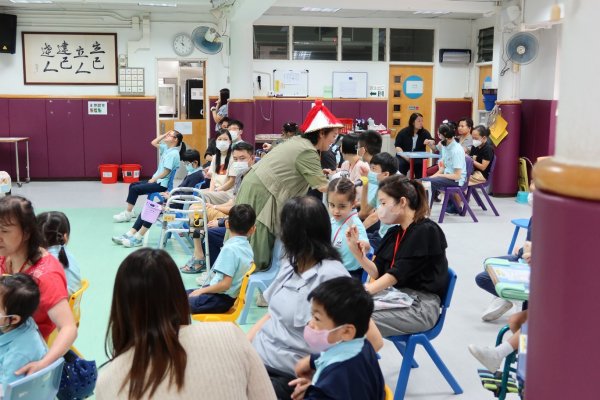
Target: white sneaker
[[496, 309], [488, 356], [119, 239], [133, 241], [123, 216]]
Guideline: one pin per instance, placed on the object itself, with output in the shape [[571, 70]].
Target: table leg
[[17, 160], [412, 168], [27, 159], [424, 170]]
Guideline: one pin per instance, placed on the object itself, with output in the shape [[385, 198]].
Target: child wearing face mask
[[236, 129], [220, 163], [20, 340], [341, 195], [134, 237], [352, 160], [343, 364]]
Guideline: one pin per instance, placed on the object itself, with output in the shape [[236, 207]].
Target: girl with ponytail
[[55, 229], [411, 257]]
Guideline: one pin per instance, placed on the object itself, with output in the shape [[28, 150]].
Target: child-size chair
[[497, 382], [518, 223], [41, 385], [407, 344], [235, 311], [484, 188], [155, 196], [460, 192], [75, 305], [262, 280]]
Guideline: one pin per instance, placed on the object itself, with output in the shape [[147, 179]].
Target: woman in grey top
[[309, 259], [220, 109]]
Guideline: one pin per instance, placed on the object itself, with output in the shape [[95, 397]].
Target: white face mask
[[222, 145], [386, 214], [476, 142], [234, 135], [239, 166]]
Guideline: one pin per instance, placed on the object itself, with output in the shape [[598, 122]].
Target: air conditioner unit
[[455, 56]]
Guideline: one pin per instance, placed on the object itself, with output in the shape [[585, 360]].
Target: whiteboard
[[350, 85], [290, 83]]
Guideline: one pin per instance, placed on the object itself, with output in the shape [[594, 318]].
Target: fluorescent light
[[433, 12], [32, 1], [317, 9], [151, 4]]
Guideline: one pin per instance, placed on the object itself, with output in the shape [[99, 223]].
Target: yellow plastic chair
[[75, 305], [388, 393], [235, 311]]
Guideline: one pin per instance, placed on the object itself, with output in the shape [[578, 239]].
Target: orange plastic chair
[[235, 311], [75, 305], [388, 393]]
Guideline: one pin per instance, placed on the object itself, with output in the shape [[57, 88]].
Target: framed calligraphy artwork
[[69, 58]]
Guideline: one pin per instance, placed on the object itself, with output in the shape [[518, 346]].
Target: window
[[411, 45], [271, 42], [485, 45], [315, 43], [363, 44]]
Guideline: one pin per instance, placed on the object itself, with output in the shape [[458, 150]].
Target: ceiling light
[[434, 12], [317, 9], [32, 1], [151, 4]]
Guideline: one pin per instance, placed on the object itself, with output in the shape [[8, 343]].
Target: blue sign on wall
[[413, 87]]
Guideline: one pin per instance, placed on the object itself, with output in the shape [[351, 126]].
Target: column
[[564, 317]]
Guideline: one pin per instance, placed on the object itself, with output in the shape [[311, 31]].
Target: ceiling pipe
[[143, 43]]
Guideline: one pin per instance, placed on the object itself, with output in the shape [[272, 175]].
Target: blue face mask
[[190, 168], [372, 178]]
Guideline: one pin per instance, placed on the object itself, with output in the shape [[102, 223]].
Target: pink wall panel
[[64, 127], [263, 116], [28, 118], [102, 138], [6, 149], [138, 129]]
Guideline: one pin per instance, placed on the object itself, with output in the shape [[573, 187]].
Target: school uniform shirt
[[485, 152], [234, 260], [169, 159], [280, 342], [420, 263], [338, 238], [73, 272], [347, 371], [404, 139], [18, 348], [454, 158], [49, 275], [193, 178]]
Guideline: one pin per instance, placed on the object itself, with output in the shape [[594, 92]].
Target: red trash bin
[[109, 173], [131, 172]]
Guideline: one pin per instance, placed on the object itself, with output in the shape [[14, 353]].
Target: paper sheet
[[185, 128]]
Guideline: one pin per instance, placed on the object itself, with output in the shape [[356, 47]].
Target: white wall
[[161, 36], [538, 78]]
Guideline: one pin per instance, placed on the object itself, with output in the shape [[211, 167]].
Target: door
[[485, 75], [410, 90]]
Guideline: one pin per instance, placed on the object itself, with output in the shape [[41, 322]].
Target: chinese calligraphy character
[[46, 50], [63, 48], [65, 63], [46, 69], [80, 52], [97, 48], [80, 71], [97, 63]]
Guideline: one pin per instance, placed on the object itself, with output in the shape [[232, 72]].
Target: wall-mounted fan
[[207, 40], [522, 48]]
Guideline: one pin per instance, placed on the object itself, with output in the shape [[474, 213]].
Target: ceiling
[[199, 10]]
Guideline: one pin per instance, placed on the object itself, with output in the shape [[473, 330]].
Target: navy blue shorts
[[210, 303]]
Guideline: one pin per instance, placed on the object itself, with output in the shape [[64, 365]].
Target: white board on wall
[[350, 85], [290, 83]]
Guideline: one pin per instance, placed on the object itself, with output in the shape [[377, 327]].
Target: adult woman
[[482, 153], [411, 257], [289, 130], [170, 146], [21, 252], [289, 170], [411, 138], [155, 351], [221, 109], [220, 162], [310, 259], [464, 130]]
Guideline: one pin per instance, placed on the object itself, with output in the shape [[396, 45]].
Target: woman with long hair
[[411, 138], [155, 352]]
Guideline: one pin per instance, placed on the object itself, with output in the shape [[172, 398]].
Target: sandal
[[193, 266]]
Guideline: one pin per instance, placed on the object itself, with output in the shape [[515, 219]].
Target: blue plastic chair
[[262, 280], [155, 196], [518, 223], [407, 344], [41, 385]]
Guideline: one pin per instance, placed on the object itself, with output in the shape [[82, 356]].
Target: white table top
[[13, 139]]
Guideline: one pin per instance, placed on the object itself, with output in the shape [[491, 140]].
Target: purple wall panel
[[244, 111], [452, 111], [346, 109], [307, 105], [64, 127], [138, 129], [374, 109], [102, 139], [552, 134], [286, 111], [263, 116], [6, 149], [28, 118], [538, 127], [507, 171]]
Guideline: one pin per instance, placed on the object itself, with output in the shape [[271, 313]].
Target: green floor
[[99, 258]]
